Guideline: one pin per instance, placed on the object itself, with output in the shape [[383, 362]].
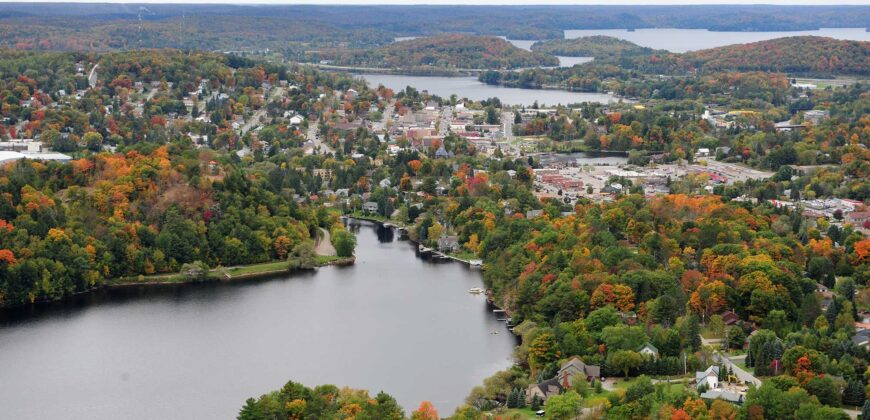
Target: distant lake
[[471, 88], [526, 44], [391, 322], [682, 40]]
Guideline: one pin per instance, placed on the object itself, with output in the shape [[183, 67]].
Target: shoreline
[[248, 272]]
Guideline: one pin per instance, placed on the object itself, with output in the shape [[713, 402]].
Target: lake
[[471, 88], [391, 322], [682, 40]]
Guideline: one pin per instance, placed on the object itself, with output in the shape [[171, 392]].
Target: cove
[[391, 322]]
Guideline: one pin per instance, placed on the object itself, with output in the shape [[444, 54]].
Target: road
[[92, 76], [255, 119], [741, 374], [313, 135], [507, 121], [381, 125], [446, 118]]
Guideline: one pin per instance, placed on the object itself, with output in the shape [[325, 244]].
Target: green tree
[[302, 257], [563, 407], [824, 388], [625, 360], [93, 140], [854, 393], [344, 243]]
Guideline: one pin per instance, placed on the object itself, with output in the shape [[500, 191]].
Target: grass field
[[217, 274]]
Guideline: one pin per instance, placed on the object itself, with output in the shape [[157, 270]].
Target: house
[[862, 339], [730, 318], [718, 394], [708, 379], [441, 153], [649, 350], [786, 126], [562, 380], [816, 115], [544, 390], [296, 120], [370, 207], [858, 218], [448, 243], [531, 214], [575, 366]]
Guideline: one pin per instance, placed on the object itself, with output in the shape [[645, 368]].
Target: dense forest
[[447, 51], [241, 27], [599, 46], [297, 401], [793, 55]]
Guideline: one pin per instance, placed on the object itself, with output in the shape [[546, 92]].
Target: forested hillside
[[140, 196], [599, 46], [449, 51], [793, 55]]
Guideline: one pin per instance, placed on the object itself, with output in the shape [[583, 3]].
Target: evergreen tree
[[536, 403], [854, 393], [833, 311], [512, 399], [865, 412], [694, 332], [521, 398]]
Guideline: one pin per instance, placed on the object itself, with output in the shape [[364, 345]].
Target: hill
[[598, 46], [801, 54], [450, 51]]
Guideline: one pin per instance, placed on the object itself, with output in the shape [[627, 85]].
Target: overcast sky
[[493, 2]]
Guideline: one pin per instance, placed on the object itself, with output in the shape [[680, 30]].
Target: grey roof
[[649, 346], [712, 370], [862, 338], [590, 370], [729, 396]]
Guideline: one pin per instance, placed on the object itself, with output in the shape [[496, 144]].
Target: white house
[[709, 378], [296, 120], [649, 350]]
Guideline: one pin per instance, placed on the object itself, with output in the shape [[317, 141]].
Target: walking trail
[[324, 244]]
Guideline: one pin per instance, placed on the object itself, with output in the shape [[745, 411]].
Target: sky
[[466, 2]]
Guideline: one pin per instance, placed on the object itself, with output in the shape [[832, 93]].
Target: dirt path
[[324, 245]]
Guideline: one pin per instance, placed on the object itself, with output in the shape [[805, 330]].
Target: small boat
[[422, 248], [475, 290], [475, 263]]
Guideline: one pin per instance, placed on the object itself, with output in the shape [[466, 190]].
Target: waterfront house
[[544, 390], [370, 207], [448, 243]]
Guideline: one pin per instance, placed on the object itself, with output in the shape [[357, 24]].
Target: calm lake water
[[682, 40], [471, 88], [392, 322]]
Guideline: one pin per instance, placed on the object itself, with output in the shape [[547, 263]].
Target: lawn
[[216, 274], [257, 268], [516, 413]]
